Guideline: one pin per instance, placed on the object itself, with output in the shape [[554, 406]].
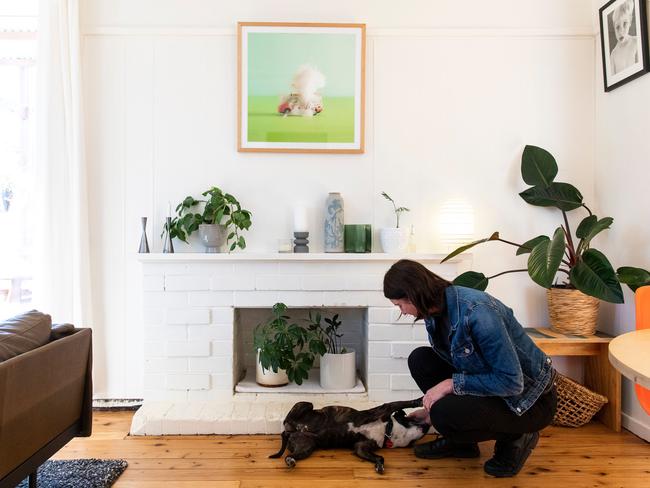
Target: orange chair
[[642, 298]]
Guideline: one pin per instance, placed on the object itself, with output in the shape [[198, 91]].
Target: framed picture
[[301, 87], [624, 41]]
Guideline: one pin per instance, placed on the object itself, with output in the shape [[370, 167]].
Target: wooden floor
[[588, 456]]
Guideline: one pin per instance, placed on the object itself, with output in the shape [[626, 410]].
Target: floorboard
[[589, 456]]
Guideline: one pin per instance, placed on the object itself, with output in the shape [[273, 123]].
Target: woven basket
[[576, 404], [571, 311]]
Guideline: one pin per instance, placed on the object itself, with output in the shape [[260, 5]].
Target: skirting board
[[637, 427]]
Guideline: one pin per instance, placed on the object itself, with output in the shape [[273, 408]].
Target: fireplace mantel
[[190, 257]]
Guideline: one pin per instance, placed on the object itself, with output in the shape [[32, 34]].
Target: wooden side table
[[600, 375], [630, 354]]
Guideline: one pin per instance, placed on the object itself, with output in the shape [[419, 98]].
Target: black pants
[[469, 418]]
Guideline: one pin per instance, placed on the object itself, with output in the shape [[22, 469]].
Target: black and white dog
[[306, 429]]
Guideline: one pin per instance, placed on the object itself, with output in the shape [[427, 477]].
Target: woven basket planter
[[571, 311], [576, 404]]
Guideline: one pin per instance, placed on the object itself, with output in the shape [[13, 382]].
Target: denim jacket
[[490, 351]]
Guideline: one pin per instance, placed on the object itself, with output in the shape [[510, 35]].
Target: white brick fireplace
[[196, 333]]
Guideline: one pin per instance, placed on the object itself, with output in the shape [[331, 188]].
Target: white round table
[[630, 354]]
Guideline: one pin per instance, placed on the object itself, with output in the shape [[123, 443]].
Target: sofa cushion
[[23, 333], [61, 330]]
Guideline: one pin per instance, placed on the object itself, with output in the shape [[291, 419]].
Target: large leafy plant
[[218, 208], [283, 344], [561, 255]]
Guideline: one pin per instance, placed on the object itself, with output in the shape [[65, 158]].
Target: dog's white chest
[[374, 430]]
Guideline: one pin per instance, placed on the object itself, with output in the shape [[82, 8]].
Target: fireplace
[[198, 314]]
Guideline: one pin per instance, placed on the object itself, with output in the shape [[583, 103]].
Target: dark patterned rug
[[79, 473]]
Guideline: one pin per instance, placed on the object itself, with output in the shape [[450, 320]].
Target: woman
[[483, 377]]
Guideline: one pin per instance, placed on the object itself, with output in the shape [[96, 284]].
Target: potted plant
[[586, 274], [220, 221], [338, 367], [394, 239], [279, 344]]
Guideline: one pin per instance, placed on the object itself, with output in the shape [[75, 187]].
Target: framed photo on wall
[[624, 41], [301, 87]]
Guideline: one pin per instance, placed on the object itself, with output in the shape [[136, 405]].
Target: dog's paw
[[379, 467], [291, 462]]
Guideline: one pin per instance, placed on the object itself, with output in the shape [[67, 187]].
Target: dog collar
[[389, 432]]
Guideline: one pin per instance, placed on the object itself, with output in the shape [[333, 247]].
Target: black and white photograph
[[623, 35]]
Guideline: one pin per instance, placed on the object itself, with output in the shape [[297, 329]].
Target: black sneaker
[[442, 448], [510, 456]]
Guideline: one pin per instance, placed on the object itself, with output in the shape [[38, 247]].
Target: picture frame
[[624, 41], [301, 87]]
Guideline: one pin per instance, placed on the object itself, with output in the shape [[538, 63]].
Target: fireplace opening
[[354, 328]]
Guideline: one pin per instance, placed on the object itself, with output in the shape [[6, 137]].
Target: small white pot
[[266, 377], [338, 371], [393, 239]]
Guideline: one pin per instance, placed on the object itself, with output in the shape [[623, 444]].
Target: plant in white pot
[[279, 344], [338, 366], [394, 239], [220, 222], [576, 275]]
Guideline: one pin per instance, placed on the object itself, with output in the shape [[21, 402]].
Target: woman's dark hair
[[423, 288]]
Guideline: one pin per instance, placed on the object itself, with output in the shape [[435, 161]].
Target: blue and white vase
[[334, 223]]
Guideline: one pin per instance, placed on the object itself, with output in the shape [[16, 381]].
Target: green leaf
[[545, 259], [561, 195], [633, 277], [528, 246], [586, 224], [218, 217], [472, 279], [594, 276], [462, 249], [279, 308], [538, 166], [590, 229]]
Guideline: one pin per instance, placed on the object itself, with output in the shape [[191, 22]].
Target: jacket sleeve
[[504, 376]]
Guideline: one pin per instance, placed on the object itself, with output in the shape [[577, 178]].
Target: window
[[17, 150]]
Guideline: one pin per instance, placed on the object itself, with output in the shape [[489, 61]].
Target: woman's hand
[[421, 415], [434, 394]]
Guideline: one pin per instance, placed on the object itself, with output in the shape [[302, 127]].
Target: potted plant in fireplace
[[221, 220], [280, 346], [394, 239], [575, 274], [338, 367]]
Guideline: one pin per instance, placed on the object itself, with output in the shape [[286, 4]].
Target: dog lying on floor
[[306, 429]]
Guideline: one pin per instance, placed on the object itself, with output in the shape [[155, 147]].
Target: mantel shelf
[[183, 257]]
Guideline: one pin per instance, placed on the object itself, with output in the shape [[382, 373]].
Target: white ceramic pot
[[393, 239], [266, 377], [338, 371], [213, 236]]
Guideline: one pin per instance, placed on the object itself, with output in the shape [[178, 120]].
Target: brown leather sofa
[[45, 400]]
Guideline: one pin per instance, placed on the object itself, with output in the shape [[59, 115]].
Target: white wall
[[622, 182], [454, 91]]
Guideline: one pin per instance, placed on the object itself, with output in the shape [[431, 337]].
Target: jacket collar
[[453, 306]]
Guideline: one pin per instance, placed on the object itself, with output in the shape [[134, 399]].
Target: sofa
[[45, 392]]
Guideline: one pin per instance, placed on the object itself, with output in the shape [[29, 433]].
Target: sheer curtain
[[62, 272]]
